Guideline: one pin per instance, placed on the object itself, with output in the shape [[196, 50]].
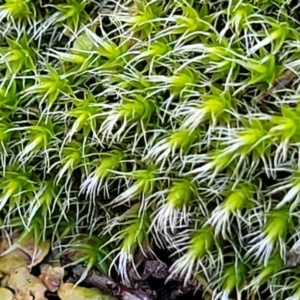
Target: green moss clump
[[133, 125]]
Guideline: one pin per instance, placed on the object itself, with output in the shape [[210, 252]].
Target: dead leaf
[[12, 261], [36, 252], [6, 294], [25, 285], [52, 277], [68, 291], [73, 255]]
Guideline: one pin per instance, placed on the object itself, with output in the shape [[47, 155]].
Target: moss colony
[[154, 126]]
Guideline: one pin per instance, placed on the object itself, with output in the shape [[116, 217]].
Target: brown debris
[[285, 79], [52, 277], [25, 285], [109, 286], [68, 291]]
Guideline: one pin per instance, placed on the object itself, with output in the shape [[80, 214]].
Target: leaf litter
[[31, 271]]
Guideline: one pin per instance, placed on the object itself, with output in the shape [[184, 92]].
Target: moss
[[139, 123]]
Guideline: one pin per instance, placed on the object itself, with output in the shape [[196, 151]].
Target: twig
[[110, 287]]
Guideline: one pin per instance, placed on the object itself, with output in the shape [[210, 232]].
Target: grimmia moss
[[156, 126]]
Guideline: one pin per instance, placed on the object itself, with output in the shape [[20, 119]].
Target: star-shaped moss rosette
[[137, 127]]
